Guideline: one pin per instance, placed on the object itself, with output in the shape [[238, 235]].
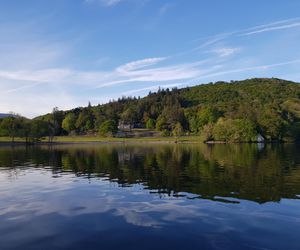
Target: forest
[[251, 110]]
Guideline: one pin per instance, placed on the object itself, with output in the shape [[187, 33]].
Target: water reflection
[[196, 171], [149, 197]]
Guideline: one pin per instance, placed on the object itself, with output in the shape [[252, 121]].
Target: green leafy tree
[[237, 130], [38, 129], [207, 132], [178, 130], [10, 126], [165, 133], [68, 123], [150, 123], [161, 123], [204, 116], [54, 121], [81, 121], [129, 116], [25, 129], [272, 105], [169, 117], [271, 124], [108, 128]]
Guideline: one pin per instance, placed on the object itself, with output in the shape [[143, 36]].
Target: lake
[[102, 196]]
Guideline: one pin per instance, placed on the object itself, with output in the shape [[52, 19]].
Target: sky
[[66, 53]]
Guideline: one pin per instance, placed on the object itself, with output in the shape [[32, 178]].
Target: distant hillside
[[226, 111], [2, 115], [238, 111]]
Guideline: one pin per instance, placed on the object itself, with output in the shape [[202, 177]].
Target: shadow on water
[[259, 173]]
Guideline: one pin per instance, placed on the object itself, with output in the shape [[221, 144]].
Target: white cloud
[[45, 75], [223, 52], [35, 101], [19, 88], [37, 92], [244, 69], [150, 88], [280, 27], [212, 39], [140, 64], [273, 26], [51, 87], [158, 74], [33, 78], [107, 3], [111, 2]]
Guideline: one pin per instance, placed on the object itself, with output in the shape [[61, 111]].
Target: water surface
[[150, 197]]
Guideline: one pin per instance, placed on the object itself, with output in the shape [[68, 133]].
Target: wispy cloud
[[107, 3], [145, 70], [45, 75], [20, 88], [212, 39], [150, 88], [133, 73], [273, 26], [131, 66], [215, 39], [154, 74], [280, 27], [33, 73], [164, 8], [244, 69], [224, 52]]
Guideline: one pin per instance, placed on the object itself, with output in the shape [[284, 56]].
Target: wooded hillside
[[225, 111]]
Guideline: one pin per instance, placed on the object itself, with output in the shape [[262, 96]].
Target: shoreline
[[94, 140], [147, 140]]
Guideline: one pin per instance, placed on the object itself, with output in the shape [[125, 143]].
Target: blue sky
[[66, 53]]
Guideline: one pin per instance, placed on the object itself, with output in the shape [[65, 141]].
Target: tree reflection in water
[[247, 171]]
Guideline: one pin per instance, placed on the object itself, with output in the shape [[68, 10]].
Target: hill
[[241, 111], [3, 115], [226, 111]]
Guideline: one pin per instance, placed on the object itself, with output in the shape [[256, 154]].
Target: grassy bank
[[95, 139]]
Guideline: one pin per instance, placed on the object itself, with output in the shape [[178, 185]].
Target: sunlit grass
[[81, 139], [8, 139]]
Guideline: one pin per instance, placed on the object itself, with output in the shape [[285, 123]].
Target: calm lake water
[[150, 197]]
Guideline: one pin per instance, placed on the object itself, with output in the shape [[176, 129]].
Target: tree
[[81, 120], [68, 123], [161, 123], [25, 128], [150, 123], [271, 106], [54, 123], [129, 116], [85, 120], [178, 130], [108, 128], [169, 118], [38, 129], [207, 115], [207, 132], [204, 116], [234, 130], [271, 124], [10, 126]]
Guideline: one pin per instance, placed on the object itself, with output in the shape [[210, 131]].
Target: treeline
[[32, 130], [263, 108]]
